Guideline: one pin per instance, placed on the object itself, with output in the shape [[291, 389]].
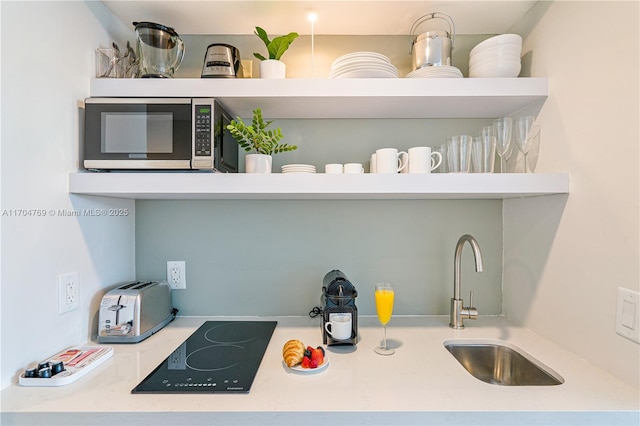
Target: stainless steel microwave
[[158, 134]]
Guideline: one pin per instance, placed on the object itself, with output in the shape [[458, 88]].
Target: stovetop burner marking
[[218, 348], [232, 333]]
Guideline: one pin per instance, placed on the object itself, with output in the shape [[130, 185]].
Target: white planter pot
[[272, 68], [257, 163]]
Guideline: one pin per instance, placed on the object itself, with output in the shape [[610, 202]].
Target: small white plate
[[298, 368]]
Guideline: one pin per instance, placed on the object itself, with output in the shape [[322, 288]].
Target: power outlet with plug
[[177, 274]]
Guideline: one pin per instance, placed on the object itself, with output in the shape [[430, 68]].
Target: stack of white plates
[[497, 56], [363, 65], [298, 168], [439, 71]]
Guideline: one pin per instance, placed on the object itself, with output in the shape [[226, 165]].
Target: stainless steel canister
[[432, 48]]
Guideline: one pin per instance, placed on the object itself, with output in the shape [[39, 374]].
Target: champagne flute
[[525, 135], [384, 306], [503, 139]]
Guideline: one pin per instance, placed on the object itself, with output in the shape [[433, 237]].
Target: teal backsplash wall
[[268, 257]]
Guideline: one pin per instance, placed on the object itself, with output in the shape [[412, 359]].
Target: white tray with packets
[[65, 367]]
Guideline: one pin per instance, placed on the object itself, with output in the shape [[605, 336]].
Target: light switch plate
[[628, 314]]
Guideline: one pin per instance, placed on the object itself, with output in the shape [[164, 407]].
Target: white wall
[[47, 57], [563, 263]]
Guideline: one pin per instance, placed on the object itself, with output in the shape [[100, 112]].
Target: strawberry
[[306, 362], [317, 357], [314, 363]]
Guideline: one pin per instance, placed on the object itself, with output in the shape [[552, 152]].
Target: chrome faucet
[[458, 312]]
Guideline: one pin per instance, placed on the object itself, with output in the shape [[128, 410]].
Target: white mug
[[372, 164], [339, 326], [333, 168], [422, 160], [353, 168], [389, 160]]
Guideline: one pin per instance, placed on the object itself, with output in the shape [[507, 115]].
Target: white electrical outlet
[[628, 314], [68, 292], [177, 274]]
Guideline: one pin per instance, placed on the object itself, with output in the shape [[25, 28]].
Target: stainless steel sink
[[501, 363]]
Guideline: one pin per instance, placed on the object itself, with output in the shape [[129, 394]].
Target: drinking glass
[[384, 306], [459, 153], [503, 127], [444, 166], [483, 154], [525, 135]]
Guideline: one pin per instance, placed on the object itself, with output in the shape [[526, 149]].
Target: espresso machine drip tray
[[219, 357]]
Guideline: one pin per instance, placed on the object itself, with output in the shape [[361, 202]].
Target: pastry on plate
[[293, 352]]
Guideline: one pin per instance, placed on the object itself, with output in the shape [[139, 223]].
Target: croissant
[[293, 352]]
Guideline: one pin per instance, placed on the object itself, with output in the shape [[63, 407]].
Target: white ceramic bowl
[[503, 49], [497, 69], [495, 58], [498, 41]]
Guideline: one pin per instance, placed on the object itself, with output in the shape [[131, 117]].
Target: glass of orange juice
[[384, 306]]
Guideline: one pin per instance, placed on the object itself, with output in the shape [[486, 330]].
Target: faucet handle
[[471, 312]]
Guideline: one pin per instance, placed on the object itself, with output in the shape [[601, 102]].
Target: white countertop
[[422, 383]]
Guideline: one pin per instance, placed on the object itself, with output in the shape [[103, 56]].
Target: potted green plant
[[260, 142], [273, 67]]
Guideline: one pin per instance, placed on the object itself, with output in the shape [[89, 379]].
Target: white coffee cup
[[372, 164], [422, 160], [339, 326], [353, 168], [390, 160], [333, 168]]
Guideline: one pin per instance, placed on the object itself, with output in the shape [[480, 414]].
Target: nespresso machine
[[338, 299]]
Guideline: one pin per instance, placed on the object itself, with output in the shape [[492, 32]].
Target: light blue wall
[[269, 257]]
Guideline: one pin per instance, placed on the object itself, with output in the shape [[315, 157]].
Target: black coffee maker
[[338, 298]]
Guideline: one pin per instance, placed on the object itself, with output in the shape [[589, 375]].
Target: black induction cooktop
[[219, 357]]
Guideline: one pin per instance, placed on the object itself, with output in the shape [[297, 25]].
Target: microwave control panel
[[203, 130]]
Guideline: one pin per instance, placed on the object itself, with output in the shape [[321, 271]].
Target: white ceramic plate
[[360, 55], [298, 167], [439, 71], [366, 73], [298, 368], [364, 67]]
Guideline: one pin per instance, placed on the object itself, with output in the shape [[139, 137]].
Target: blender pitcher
[[160, 50]]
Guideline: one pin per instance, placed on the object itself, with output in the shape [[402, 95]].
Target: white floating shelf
[[193, 186], [346, 98]]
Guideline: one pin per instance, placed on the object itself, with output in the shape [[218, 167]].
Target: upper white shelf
[[346, 98], [278, 186]]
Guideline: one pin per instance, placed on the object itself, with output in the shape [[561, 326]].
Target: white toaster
[[134, 311]]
